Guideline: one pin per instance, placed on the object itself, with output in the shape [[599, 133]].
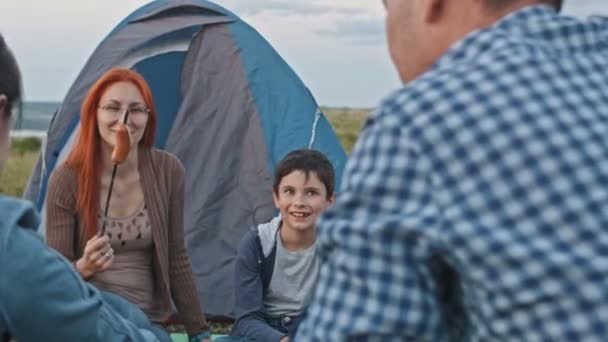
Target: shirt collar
[[532, 17]]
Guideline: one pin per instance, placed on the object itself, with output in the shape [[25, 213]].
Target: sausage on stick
[[119, 154]]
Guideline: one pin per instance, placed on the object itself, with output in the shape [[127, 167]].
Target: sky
[[337, 47]]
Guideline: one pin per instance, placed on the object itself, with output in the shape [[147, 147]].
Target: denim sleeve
[[43, 298], [249, 295]]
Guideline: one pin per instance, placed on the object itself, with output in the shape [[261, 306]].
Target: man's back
[[520, 172], [494, 163]]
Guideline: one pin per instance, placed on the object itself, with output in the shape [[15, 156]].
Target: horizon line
[[320, 106]]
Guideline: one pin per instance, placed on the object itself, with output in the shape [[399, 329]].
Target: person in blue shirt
[[474, 205], [42, 298], [277, 264]]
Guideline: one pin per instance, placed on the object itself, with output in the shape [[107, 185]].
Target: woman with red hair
[[140, 262]]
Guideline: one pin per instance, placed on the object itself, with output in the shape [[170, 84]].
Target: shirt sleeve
[[42, 297], [183, 288], [249, 295], [376, 281], [61, 213]]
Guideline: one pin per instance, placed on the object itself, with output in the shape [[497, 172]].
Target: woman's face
[[111, 110]]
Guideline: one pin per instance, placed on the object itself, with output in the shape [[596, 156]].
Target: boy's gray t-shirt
[[293, 280]]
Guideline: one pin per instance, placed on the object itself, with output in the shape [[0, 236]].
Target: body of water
[[35, 119]]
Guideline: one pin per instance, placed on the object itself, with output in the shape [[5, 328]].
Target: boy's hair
[[307, 161]]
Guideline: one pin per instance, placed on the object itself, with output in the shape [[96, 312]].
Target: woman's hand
[[97, 257]]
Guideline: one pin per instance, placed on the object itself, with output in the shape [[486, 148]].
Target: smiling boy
[[277, 264]]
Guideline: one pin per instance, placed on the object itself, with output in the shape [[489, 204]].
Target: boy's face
[[301, 200]]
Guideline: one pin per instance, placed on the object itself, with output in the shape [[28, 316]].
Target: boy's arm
[[43, 298], [249, 295]]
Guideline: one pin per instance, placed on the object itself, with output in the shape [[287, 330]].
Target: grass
[[347, 123], [18, 168]]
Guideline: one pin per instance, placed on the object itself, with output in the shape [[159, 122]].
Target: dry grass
[[347, 123], [18, 168]]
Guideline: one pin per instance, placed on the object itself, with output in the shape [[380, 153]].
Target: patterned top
[[131, 274], [475, 203], [129, 233]]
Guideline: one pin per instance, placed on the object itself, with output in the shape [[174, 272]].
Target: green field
[[347, 123], [18, 168]]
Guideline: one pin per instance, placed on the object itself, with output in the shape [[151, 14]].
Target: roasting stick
[[120, 152]]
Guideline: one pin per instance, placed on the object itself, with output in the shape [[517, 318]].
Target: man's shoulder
[[432, 93], [16, 212], [447, 90]]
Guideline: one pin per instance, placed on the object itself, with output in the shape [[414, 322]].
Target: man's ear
[[433, 10], [4, 104]]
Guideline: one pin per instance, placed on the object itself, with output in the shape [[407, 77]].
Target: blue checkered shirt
[[475, 204]]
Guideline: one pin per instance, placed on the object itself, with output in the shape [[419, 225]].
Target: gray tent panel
[[225, 194]]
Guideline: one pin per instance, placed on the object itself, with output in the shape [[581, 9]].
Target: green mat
[[184, 337]]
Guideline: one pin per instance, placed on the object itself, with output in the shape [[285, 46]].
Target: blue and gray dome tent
[[229, 107]]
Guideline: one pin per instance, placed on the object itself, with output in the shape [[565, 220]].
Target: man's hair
[[497, 4], [307, 161], [10, 77]]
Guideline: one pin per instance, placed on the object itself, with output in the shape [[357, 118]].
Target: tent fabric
[[229, 108], [228, 196]]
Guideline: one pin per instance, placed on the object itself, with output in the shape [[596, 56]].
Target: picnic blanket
[[182, 337]]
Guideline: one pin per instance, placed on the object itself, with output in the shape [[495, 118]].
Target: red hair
[[85, 156]]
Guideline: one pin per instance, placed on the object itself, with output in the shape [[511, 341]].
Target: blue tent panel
[[163, 73], [285, 106]]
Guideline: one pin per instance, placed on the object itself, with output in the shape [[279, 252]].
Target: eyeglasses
[[115, 109]]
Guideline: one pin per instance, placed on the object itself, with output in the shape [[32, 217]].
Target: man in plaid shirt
[[475, 204]]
